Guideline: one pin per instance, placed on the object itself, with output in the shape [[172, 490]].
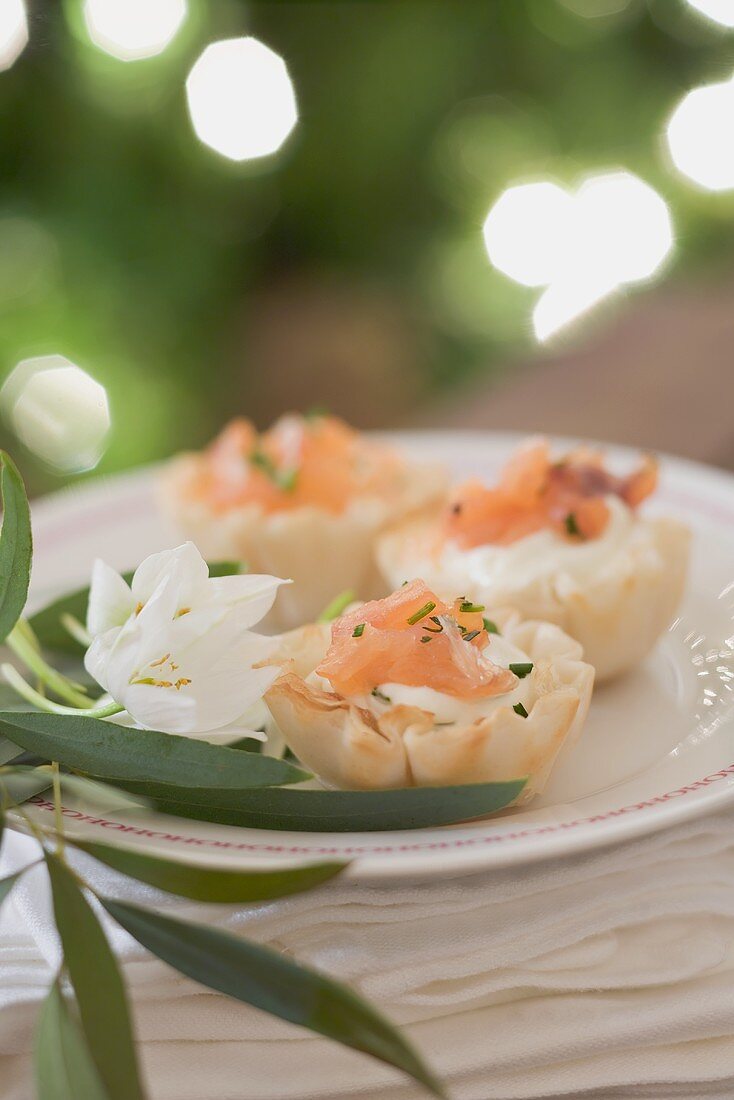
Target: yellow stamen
[[161, 661], [183, 611]]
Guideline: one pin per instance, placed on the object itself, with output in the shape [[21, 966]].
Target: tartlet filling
[[388, 649], [569, 497], [313, 460]]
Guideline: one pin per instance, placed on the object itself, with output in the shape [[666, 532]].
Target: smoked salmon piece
[[301, 460], [412, 637], [534, 492]]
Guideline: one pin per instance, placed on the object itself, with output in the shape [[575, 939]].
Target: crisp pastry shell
[[350, 747], [617, 616], [323, 554]]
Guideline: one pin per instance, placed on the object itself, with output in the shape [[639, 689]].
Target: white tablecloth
[[599, 976]]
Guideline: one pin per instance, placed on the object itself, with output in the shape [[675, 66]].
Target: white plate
[[659, 743]]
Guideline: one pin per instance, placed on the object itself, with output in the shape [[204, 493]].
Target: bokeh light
[[13, 31], [58, 411], [241, 99], [567, 299], [525, 231], [612, 231], [621, 228], [700, 136], [133, 29], [719, 11]]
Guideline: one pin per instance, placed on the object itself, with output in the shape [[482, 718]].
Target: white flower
[[175, 648]]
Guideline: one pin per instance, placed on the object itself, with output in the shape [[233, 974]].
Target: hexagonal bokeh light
[[58, 411], [700, 136], [719, 11], [133, 29], [612, 231], [525, 230], [13, 31], [241, 99]]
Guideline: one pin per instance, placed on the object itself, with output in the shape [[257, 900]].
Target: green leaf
[[97, 983], [7, 884], [52, 635], [8, 751], [16, 546], [102, 797], [109, 751], [334, 811], [207, 883], [64, 1066], [18, 785], [272, 982]]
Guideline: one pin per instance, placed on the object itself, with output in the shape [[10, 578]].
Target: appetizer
[[561, 541], [411, 690], [305, 500]]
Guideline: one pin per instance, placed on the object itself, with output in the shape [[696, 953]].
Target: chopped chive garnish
[[468, 607], [461, 628], [284, 479], [472, 635], [403, 584], [379, 695], [338, 604], [435, 619], [522, 669], [490, 627], [520, 709], [260, 459], [421, 613], [433, 629], [426, 638], [287, 480], [572, 526], [358, 630]]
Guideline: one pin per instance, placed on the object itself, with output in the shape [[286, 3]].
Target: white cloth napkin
[[608, 975]]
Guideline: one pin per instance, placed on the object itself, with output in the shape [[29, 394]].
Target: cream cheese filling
[[544, 554]]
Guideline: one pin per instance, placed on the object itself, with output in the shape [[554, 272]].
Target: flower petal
[[183, 566], [97, 657], [253, 594], [110, 599], [213, 698]]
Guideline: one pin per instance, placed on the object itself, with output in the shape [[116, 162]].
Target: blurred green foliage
[[143, 256]]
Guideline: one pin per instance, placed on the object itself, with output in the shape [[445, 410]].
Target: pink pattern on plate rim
[[463, 842]]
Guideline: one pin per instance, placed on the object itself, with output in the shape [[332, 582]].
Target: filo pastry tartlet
[[413, 691], [304, 500], [560, 540]]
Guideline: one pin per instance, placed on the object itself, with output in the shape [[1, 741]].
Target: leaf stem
[[34, 697], [58, 816], [76, 629], [25, 651], [339, 604]]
